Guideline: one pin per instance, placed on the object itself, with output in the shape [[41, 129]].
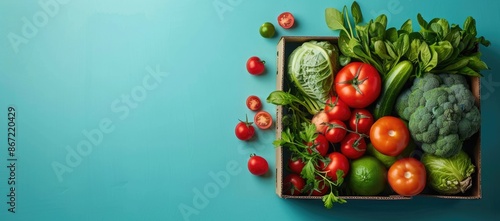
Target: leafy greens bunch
[[437, 47]]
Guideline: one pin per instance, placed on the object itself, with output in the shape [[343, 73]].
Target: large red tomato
[[389, 135], [358, 84], [407, 176]]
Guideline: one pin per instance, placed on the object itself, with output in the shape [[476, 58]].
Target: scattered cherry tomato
[[361, 120], [286, 20], [407, 176], [257, 165], [254, 103], [337, 161], [336, 109], [320, 144], [335, 131], [267, 30], [389, 135], [293, 184], [320, 120], [244, 130], [296, 165], [263, 120], [255, 65], [358, 84], [353, 146]]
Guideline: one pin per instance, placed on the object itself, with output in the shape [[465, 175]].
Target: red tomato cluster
[[345, 126]]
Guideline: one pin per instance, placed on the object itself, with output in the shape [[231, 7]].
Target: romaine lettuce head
[[311, 67], [449, 175]]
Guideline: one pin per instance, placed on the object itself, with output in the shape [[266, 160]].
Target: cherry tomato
[[254, 103], [407, 176], [293, 184], [358, 84], [389, 135], [320, 144], [323, 188], [257, 165], [263, 120], [336, 109], [267, 30], [361, 120], [336, 161], [255, 65], [244, 130], [286, 20], [296, 165], [335, 131], [321, 121], [353, 146]]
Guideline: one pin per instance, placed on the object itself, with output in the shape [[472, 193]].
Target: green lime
[[368, 176], [389, 160], [267, 30]]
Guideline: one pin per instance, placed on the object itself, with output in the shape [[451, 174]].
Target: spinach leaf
[[334, 19], [356, 13]]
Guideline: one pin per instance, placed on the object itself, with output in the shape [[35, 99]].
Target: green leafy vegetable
[[311, 67], [436, 47], [449, 175]]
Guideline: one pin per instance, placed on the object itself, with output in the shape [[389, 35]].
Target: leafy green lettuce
[[449, 175]]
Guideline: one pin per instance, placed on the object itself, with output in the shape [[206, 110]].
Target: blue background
[[156, 143]]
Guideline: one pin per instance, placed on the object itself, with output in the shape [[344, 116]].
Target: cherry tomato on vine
[[336, 161], [255, 65], [336, 109], [361, 120], [389, 135], [353, 146], [257, 165], [267, 30], [407, 176], [335, 131], [323, 188], [320, 120], [286, 20], [358, 84], [244, 130], [293, 184], [263, 120], [320, 144], [254, 103], [296, 165]]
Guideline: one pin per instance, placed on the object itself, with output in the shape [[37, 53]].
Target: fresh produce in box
[[396, 57]]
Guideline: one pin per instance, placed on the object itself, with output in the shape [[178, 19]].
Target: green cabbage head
[[311, 67], [451, 175]]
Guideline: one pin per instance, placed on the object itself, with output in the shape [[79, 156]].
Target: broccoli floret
[[410, 99], [452, 79], [440, 116]]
